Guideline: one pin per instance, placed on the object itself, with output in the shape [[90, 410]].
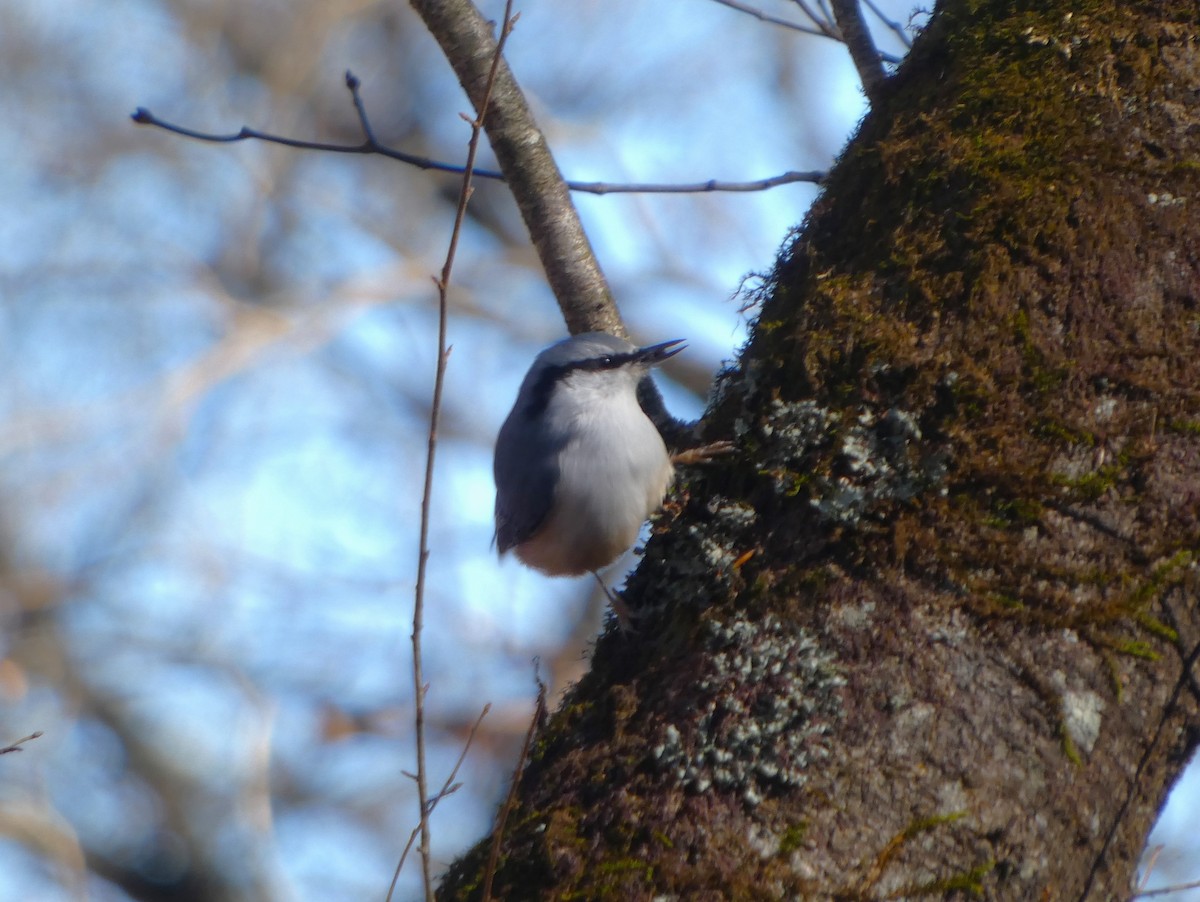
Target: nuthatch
[[579, 466]]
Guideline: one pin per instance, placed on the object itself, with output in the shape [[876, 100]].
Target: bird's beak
[[656, 354]]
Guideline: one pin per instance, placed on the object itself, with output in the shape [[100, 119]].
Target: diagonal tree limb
[[468, 41], [858, 39], [16, 746]]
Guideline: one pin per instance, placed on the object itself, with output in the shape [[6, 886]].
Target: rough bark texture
[[934, 631]]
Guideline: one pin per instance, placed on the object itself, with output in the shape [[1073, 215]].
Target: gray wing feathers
[[526, 471]]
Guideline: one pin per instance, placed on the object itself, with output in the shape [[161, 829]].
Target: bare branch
[[16, 746], [774, 20], [371, 146], [813, 176], [1148, 868], [862, 47], [895, 27], [824, 23], [1165, 890], [822, 26], [448, 788], [443, 355]]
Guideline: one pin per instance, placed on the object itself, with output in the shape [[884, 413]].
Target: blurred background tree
[[217, 363]]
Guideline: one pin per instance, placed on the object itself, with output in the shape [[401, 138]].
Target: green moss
[[1155, 626], [1068, 744], [925, 824], [1137, 649], [917, 827], [1162, 576], [1054, 431], [793, 838], [967, 882], [627, 866], [1008, 602], [790, 482], [1114, 675], [1041, 375], [1184, 427], [1091, 486], [1018, 512]]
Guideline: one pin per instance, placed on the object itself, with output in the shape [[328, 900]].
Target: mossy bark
[[934, 630]]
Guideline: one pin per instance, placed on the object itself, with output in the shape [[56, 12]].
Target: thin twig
[[1149, 869], [1191, 657], [539, 714], [443, 354], [448, 788], [814, 176], [372, 146], [895, 27], [775, 20], [16, 746], [824, 23], [1165, 890]]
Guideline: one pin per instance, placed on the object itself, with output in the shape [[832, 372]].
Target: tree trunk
[[934, 629]]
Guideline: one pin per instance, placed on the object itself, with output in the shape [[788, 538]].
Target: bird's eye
[[606, 361]]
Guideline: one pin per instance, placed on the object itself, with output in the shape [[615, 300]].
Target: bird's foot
[[705, 454], [617, 603]]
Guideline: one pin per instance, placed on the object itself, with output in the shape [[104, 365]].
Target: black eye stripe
[[590, 365], [607, 362], [539, 396]]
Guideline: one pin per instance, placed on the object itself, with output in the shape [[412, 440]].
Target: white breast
[[613, 473]]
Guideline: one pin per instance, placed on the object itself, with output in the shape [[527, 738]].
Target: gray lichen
[[874, 459], [1082, 712], [792, 429], [711, 546], [767, 699]]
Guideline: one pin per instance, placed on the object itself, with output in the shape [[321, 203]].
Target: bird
[[578, 465]]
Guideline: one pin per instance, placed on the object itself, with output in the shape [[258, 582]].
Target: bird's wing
[[526, 470]]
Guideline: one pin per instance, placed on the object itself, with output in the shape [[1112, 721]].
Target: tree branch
[[371, 145], [449, 787], [16, 746], [821, 27], [533, 177], [821, 32], [895, 27], [822, 22], [862, 47]]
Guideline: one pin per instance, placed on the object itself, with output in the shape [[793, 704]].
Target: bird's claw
[[705, 454]]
